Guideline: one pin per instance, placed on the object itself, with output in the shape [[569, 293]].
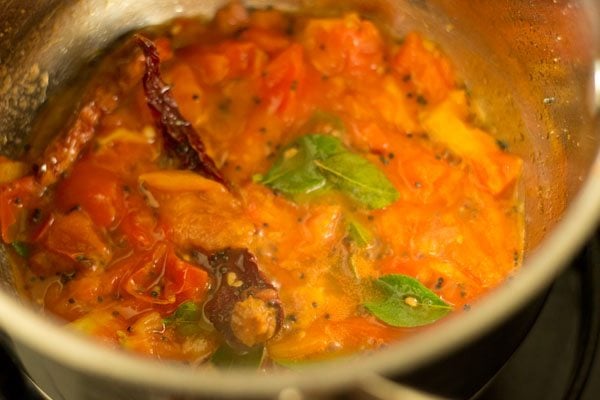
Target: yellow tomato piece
[[147, 135], [495, 168], [100, 323], [11, 170], [179, 181]]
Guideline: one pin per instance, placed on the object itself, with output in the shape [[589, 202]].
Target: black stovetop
[[558, 360]]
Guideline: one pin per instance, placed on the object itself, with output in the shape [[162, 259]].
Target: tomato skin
[[165, 280], [96, 190], [188, 282], [145, 283], [140, 228], [74, 235]]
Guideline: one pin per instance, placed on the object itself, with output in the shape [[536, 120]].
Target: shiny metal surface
[[530, 67]]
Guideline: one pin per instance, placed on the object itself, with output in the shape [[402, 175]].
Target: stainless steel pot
[[534, 71]]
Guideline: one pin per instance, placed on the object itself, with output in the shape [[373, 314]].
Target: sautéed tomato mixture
[[264, 189]]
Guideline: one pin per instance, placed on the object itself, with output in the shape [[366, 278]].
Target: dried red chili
[[179, 135], [245, 307]]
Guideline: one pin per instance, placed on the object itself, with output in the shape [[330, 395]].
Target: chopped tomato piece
[[95, 190], [162, 278], [228, 60], [179, 181], [164, 47], [349, 45], [495, 169], [268, 40], [213, 68], [101, 323], [149, 335], [75, 236], [12, 170], [186, 281], [147, 282], [272, 20], [44, 262], [284, 81], [14, 201], [187, 91], [203, 219], [140, 227], [425, 67], [231, 18]]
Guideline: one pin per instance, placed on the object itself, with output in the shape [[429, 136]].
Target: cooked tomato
[[308, 186], [94, 189]]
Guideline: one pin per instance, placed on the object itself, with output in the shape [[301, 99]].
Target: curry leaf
[[360, 179], [359, 234], [187, 319], [21, 248], [227, 358], [316, 161], [294, 172], [403, 301]]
